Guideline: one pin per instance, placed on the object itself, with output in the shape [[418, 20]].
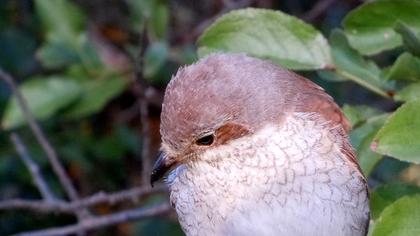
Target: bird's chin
[[173, 174]]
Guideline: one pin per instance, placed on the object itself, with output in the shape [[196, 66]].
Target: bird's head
[[221, 98]]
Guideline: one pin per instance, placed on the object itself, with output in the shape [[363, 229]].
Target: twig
[[45, 144], [36, 206], [228, 6], [143, 104], [102, 221], [32, 167], [42, 140], [145, 131], [317, 10], [113, 198], [70, 207]]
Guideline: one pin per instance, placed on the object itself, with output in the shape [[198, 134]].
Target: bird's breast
[[283, 180]]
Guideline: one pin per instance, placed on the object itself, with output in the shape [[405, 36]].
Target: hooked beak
[[162, 165]]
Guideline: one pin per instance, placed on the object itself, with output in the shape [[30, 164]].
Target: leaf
[[88, 55], [56, 55], [330, 76], [409, 93], [362, 137], [154, 58], [400, 218], [66, 41], [160, 19], [155, 13], [268, 34], [108, 148], [385, 195], [351, 65], [44, 96], [359, 114], [406, 67], [370, 27], [157, 226], [368, 159], [94, 96], [410, 40], [399, 137], [16, 49], [62, 19], [366, 122]]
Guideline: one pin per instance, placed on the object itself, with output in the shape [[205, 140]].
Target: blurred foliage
[[79, 82], [76, 61]]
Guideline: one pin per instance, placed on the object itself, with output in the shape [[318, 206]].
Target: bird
[[251, 148]]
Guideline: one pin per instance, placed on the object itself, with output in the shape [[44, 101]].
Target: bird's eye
[[206, 140]]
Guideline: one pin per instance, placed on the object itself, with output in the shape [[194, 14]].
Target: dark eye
[[206, 140]]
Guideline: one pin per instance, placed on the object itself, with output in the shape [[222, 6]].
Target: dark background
[[103, 150]]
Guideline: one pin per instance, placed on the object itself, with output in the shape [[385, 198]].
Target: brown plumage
[[231, 125]]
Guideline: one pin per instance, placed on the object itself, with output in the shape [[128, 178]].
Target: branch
[[102, 221], [228, 6], [317, 10], [36, 205], [41, 138], [113, 198], [145, 131], [45, 144], [32, 167], [71, 207], [143, 105]]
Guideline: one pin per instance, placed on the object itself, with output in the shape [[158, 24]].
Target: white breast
[[291, 179]]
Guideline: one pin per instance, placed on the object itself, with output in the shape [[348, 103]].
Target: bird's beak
[[162, 165]]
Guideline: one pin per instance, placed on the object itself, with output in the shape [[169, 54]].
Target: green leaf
[[88, 55], [368, 159], [62, 19], [330, 76], [410, 40], [385, 195], [154, 58], [160, 19], [370, 27], [155, 13], [400, 218], [406, 67], [44, 96], [95, 95], [108, 148], [409, 93], [56, 55], [361, 139], [359, 114], [137, 8], [17, 47], [399, 137], [158, 226], [66, 42], [351, 65], [268, 34]]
